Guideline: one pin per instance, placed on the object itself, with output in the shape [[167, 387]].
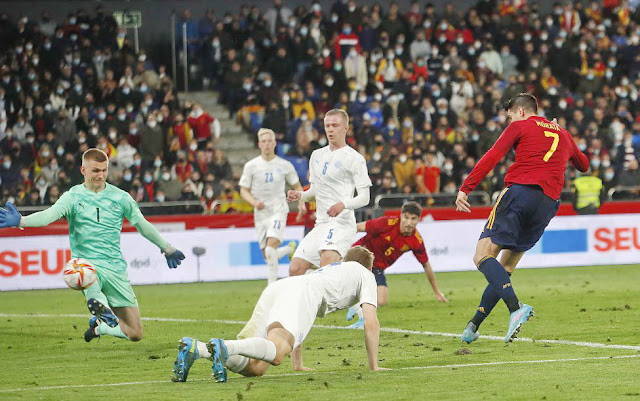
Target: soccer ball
[[79, 274]]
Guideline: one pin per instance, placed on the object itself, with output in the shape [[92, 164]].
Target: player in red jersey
[[388, 238], [523, 209]]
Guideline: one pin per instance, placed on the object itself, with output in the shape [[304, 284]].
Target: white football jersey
[[334, 176], [266, 180], [342, 285]]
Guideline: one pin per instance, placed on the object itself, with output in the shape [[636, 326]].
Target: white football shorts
[[289, 302], [271, 227], [325, 236]]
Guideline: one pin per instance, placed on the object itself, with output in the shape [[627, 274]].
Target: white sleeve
[[292, 175], [216, 128], [311, 168], [359, 201], [368, 290], [360, 173], [247, 175]]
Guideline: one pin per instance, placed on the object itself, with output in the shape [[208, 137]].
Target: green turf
[[594, 304]]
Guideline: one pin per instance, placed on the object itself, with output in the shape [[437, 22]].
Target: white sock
[[283, 251], [236, 363], [202, 350], [358, 310], [271, 254], [256, 348]]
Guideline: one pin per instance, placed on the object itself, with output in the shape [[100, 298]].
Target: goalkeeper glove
[[174, 256], [9, 217]]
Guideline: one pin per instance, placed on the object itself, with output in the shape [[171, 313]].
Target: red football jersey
[[542, 151], [388, 244]]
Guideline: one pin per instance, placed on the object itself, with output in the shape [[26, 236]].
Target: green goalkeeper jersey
[[95, 222]]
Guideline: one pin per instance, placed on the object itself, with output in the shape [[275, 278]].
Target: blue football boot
[[470, 333], [187, 355], [102, 312], [90, 334], [516, 320], [219, 354], [351, 312], [357, 325]]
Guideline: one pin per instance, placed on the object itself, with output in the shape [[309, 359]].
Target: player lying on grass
[[285, 313], [95, 211], [523, 209], [388, 238]]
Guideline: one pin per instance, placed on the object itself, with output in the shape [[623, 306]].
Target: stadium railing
[[620, 192], [478, 198]]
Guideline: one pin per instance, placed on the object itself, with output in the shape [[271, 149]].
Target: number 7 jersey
[[542, 152]]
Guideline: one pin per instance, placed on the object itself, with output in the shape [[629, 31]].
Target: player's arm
[[147, 230], [298, 195], [302, 209], [579, 159], [362, 199], [246, 194], [10, 217], [371, 334], [428, 271], [506, 141], [362, 227]]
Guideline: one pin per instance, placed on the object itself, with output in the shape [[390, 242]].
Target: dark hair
[[525, 100], [413, 208]]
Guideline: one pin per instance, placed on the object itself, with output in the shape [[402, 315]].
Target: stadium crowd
[[423, 87]]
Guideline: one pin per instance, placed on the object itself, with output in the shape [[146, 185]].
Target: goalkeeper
[[95, 211]]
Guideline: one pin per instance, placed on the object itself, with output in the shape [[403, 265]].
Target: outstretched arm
[[174, 256], [434, 284], [60, 209]]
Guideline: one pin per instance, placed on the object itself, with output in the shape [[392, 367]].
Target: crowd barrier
[[35, 262]]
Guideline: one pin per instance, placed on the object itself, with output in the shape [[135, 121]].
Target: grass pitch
[[44, 356]]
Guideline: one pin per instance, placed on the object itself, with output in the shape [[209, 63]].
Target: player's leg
[[130, 322], [117, 288], [271, 257], [329, 256], [307, 253]]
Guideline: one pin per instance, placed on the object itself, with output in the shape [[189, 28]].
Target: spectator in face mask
[[151, 141], [169, 185], [9, 172]]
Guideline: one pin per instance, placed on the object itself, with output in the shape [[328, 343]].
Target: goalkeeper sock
[[499, 280], [271, 254], [111, 331], [256, 348]]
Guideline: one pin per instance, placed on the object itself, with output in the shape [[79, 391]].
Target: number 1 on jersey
[[554, 145]]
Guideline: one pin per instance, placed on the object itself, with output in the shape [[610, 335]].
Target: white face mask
[[402, 159], [157, 163], [166, 176], [152, 124], [193, 147], [209, 193], [376, 156]]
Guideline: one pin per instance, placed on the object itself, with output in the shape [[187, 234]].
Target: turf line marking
[[385, 329], [451, 366]]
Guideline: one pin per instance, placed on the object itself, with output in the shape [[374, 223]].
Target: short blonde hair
[[264, 131], [361, 255], [94, 154], [338, 112]]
